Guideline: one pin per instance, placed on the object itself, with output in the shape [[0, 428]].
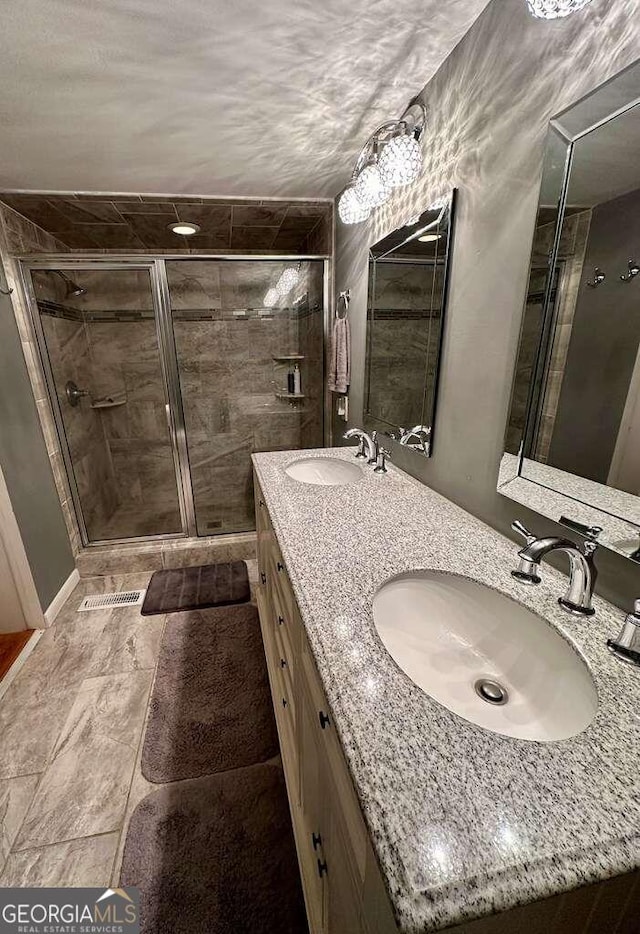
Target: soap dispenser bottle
[[297, 384]]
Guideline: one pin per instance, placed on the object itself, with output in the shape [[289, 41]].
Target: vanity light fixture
[[371, 189], [401, 161], [555, 9], [390, 158], [184, 228], [350, 208]]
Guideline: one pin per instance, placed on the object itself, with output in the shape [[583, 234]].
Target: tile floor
[[71, 728]]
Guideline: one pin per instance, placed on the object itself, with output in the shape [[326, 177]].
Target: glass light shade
[[554, 9], [350, 209], [184, 228], [370, 188], [271, 298], [287, 280], [400, 161]]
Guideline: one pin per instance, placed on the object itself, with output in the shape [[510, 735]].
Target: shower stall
[[165, 374]]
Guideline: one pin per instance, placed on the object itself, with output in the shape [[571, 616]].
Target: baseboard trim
[[61, 597]]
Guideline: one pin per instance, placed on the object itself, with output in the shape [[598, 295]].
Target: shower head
[[73, 289]]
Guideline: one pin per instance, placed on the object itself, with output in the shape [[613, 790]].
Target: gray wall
[[605, 335], [489, 106], [27, 470]]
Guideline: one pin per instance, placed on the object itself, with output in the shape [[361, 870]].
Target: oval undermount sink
[[484, 656], [324, 471]]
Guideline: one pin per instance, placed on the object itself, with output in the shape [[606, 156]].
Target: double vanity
[[455, 743]]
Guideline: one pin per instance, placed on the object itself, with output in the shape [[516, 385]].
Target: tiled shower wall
[[226, 341], [575, 231], [68, 345], [105, 341]]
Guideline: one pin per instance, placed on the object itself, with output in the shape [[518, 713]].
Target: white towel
[[340, 368]]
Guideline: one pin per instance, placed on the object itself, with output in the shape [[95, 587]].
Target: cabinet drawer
[[344, 797], [286, 663], [281, 580], [285, 624]]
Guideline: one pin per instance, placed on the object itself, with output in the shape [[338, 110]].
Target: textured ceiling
[[209, 97]]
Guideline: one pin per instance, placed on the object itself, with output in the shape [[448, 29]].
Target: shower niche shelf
[[108, 402], [290, 396], [288, 358]]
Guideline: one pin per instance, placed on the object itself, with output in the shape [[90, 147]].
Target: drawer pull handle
[[263, 577], [280, 566], [316, 839], [324, 719], [280, 620], [284, 702], [322, 868], [283, 663]]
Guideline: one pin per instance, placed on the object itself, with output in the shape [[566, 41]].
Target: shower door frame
[[155, 264]]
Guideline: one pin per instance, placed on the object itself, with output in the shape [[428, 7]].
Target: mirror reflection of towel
[[340, 366]]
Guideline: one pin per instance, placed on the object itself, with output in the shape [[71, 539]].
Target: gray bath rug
[[216, 855], [211, 706], [179, 589]]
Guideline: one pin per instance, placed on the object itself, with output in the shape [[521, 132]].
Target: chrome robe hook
[[598, 278], [632, 271]]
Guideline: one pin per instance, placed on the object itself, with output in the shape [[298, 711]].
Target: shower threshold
[[165, 552]]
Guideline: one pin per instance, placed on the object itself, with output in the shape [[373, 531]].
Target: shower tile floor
[[71, 728]]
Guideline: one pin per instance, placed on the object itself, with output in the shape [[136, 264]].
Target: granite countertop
[[464, 822]]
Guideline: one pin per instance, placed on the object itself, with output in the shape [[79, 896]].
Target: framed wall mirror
[[408, 273], [572, 442]]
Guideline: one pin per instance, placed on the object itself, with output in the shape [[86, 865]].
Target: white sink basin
[[324, 471], [462, 642]]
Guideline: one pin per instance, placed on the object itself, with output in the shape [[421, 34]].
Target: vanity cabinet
[[343, 887], [337, 863]]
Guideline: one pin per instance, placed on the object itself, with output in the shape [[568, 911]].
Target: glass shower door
[[97, 330], [236, 344]]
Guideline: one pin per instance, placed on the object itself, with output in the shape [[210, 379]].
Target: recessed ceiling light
[[184, 228], [429, 238]]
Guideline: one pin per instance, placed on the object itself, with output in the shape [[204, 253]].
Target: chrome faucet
[[365, 440], [582, 570], [422, 435]]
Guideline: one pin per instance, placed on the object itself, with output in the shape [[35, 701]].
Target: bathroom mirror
[[408, 273], [572, 444]]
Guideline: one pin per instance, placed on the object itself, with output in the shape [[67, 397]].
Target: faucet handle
[[381, 460], [521, 529], [589, 531], [627, 646], [527, 570]]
